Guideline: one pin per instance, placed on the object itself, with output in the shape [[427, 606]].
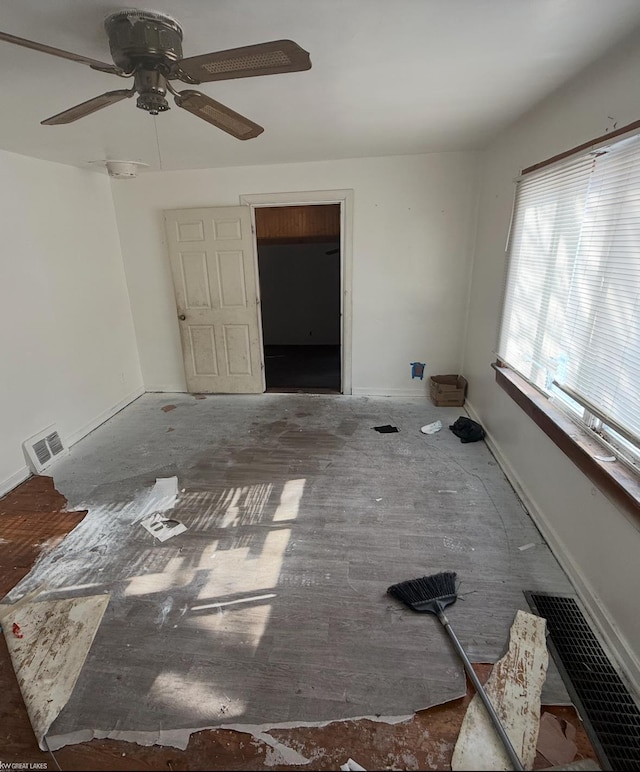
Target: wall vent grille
[[43, 449], [609, 712]]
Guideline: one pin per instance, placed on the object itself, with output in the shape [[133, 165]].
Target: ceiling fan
[[147, 46]]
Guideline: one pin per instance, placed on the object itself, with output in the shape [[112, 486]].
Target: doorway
[[299, 270]]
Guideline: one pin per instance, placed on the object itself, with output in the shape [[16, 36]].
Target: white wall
[[411, 244], [598, 544], [68, 352]]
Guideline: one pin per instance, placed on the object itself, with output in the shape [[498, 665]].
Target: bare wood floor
[[385, 508]]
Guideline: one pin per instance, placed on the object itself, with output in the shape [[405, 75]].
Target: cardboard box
[[448, 390]]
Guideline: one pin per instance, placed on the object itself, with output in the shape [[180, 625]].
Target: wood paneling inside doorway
[[297, 224]]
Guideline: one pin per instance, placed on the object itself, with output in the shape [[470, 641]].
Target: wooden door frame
[[298, 198]]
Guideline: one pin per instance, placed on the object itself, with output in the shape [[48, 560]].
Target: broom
[[431, 595]]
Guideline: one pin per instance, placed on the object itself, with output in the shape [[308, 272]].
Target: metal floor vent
[[43, 448], [610, 714]]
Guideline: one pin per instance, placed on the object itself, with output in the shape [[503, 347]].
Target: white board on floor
[[48, 648], [514, 688]]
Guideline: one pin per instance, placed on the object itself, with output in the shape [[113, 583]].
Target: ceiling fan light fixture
[[151, 86], [152, 103]]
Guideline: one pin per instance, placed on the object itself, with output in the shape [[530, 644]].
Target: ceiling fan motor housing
[[146, 44]]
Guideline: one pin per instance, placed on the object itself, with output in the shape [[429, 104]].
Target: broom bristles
[[425, 588]]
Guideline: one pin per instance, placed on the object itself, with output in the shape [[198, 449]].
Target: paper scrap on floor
[[556, 740], [351, 766], [431, 428], [162, 527]]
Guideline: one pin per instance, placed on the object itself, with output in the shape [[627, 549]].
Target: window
[[571, 317]]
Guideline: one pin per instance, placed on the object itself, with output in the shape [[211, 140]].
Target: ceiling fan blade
[[218, 114], [269, 58], [94, 63], [88, 107]]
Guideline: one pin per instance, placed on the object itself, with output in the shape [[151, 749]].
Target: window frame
[[615, 479], [585, 438]]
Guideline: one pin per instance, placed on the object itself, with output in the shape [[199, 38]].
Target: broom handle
[[513, 756]]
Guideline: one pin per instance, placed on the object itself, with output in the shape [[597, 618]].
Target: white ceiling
[[388, 77]]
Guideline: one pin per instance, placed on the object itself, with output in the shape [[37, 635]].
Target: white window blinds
[[572, 302]]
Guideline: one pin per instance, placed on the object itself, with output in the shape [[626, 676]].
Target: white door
[[214, 276]]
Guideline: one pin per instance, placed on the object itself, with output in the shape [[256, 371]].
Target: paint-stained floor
[[299, 516], [31, 515]]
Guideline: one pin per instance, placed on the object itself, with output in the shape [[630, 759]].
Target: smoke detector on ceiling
[[121, 170]]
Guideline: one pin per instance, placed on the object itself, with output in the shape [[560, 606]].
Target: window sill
[[619, 483]]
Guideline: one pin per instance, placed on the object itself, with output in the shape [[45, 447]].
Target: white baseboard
[[605, 626], [15, 479], [376, 391], [104, 416], [175, 389], [356, 391], [22, 474]]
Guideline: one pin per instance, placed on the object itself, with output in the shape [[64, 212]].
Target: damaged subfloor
[[358, 511]]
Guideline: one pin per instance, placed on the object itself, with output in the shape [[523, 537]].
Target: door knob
[[182, 317]]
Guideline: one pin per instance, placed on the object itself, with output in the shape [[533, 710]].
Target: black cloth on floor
[[467, 430]]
